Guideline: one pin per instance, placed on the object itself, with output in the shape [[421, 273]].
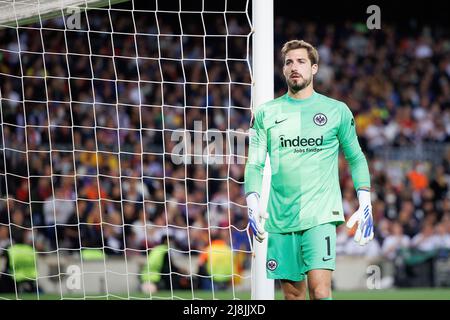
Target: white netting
[[112, 120]]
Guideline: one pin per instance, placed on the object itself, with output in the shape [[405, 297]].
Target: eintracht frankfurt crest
[[320, 119]]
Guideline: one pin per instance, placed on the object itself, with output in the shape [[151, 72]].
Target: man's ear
[[314, 68]]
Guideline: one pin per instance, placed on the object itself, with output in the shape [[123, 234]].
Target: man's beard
[[297, 86]]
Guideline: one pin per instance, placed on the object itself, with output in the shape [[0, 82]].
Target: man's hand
[[364, 232], [256, 217]]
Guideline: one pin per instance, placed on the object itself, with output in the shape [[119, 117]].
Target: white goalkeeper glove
[[364, 232], [256, 217]]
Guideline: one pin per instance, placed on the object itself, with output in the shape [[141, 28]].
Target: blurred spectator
[[426, 239], [396, 241], [407, 219], [160, 272], [20, 269], [417, 178], [442, 236], [4, 237], [216, 262], [439, 184], [58, 209]]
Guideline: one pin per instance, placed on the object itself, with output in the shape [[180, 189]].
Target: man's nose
[[294, 66]]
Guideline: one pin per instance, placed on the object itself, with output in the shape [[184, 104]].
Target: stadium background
[[395, 80]]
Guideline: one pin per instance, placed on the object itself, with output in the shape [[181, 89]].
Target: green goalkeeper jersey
[[302, 138]]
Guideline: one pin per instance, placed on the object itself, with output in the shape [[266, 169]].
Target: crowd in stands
[[69, 173]]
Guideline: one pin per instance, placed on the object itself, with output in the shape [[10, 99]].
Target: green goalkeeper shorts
[[291, 255]]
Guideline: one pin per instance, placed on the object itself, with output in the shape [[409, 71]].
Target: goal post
[[263, 91]]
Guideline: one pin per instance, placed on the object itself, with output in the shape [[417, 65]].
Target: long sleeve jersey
[[302, 138]]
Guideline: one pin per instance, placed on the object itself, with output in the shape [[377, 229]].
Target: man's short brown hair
[[313, 55]]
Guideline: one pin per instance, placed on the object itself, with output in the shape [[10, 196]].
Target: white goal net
[[122, 149]]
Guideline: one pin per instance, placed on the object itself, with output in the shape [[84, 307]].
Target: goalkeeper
[[302, 132]]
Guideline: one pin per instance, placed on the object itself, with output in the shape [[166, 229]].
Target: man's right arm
[[257, 152], [253, 176]]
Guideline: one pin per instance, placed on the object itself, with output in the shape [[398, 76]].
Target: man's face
[[298, 70]]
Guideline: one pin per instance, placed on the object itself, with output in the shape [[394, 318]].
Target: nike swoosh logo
[[326, 259], [277, 122]]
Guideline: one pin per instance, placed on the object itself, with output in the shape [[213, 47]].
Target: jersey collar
[[301, 101]]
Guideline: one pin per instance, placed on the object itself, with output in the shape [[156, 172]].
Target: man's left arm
[[359, 168]]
